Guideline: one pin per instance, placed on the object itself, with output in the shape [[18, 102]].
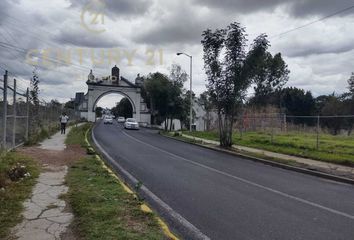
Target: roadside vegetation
[[102, 208], [18, 175], [42, 134], [334, 149], [77, 135]]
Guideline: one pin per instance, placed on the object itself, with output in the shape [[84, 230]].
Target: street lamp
[[190, 91]]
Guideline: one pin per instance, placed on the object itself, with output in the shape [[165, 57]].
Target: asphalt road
[[227, 197]]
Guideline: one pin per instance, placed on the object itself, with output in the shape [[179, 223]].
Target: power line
[[50, 59], [313, 22], [9, 46], [41, 39], [25, 51], [34, 34]]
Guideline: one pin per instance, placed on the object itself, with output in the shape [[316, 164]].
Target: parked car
[[131, 123], [121, 119], [107, 120]]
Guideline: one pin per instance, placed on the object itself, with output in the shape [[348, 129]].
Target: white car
[[107, 120], [121, 119], [131, 123]]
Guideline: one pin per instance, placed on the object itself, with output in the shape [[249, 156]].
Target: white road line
[[248, 182], [173, 214]]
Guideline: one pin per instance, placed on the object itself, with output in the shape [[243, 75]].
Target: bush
[[17, 176], [177, 134], [43, 133]]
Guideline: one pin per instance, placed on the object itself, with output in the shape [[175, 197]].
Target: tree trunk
[[171, 124], [350, 130], [225, 130], [166, 124], [208, 121]]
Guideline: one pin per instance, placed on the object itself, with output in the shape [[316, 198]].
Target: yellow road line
[[166, 230], [145, 208]]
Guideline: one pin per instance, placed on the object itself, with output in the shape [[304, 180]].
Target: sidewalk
[[313, 164], [46, 215]]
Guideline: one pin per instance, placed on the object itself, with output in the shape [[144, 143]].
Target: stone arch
[[101, 95], [98, 88]]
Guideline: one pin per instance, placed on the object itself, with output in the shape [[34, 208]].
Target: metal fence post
[[318, 132], [272, 129], [241, 125], [4, 116], [27, 114], [14, 117]]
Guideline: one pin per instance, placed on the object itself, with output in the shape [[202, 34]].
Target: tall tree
[[351, 85], [269, 73], [213, 43], [178, 76], [34, 88], [98, 111], [165, 95], [207, 105], [184, 114], [69, 105], [156, 87], [176, 103], [34, 97], [123, 109], [297, 102], [228, 77], [333, 106], [350, 104]]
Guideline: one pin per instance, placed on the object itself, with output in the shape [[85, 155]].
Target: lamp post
[[190, 90]]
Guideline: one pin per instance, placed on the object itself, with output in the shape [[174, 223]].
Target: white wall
[[176, 124]]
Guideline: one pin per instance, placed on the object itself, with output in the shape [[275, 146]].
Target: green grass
[[42, 134], [14, 193], [102, 208], [335, 149], [76, 136]]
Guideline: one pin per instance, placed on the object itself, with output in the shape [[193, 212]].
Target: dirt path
[[47, 215]]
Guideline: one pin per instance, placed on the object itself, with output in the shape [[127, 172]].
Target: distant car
[[108, 120], [121, 119], [131, 123]]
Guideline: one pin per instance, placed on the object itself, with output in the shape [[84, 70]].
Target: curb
[[145, 208], [271, 163], [172, 218]]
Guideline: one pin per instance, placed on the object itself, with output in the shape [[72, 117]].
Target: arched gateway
[[97, 88]]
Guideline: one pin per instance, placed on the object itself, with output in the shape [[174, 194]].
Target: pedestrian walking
[[63, 119]]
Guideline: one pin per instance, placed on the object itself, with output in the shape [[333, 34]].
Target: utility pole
[[4, 116], [27, 113], [191, 95], [318, 133], [14, 117]]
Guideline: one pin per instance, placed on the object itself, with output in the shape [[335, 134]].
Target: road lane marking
[[248, 181], [145, 208], [173, 214]]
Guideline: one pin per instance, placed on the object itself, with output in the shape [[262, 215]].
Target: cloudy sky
[[64, 39]]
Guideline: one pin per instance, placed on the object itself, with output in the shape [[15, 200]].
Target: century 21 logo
[[92, 16]]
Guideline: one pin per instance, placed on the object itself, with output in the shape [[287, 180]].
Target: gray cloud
[[83, 38], [117, 8], [308, 48], [240, 5], [170, 32], [297, 8], [319, 7], [182, 25], [5, 7]]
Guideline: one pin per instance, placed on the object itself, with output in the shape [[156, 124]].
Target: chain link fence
[[21, 121], [277, 127]]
